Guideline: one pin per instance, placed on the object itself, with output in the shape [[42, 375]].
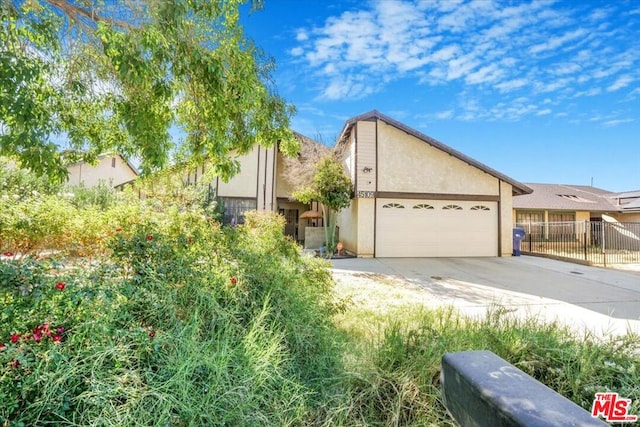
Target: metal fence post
[[586, 224], [604, 252]]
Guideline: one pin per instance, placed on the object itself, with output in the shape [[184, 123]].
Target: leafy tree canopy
[[106, 75], [333, 189]]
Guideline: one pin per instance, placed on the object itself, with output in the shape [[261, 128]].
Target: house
[[262, 185], [112, 169], [416, 197], [554, 203]]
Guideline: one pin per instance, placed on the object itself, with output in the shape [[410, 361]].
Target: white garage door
[[436, 228]]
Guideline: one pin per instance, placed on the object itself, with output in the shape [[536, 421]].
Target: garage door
[[436, 228]]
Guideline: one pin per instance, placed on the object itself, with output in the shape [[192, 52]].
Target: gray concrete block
[[482, 389]]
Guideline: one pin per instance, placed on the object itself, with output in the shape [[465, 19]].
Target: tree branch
[[81, 15]]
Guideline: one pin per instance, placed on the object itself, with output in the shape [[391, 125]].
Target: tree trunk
[[329, 225]]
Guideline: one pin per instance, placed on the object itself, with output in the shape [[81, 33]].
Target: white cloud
[[616, 122], [301, 35], [621, 82], [556, 42], [443, 115], [488, 47]]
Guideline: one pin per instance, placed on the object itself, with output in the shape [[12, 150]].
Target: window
[[422, 206], [235, 208], [562, 224], [452, 208], [480, 208], [532, 222], [393, 206]]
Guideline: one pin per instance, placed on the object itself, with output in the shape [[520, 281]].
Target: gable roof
[[567, 197], [518, 187]]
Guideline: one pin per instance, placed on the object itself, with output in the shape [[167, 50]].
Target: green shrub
[[187, 324]]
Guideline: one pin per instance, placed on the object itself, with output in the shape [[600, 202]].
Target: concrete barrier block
[[482, 389]]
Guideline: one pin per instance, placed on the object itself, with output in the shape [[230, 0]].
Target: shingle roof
[[567, 197], [518, 187]]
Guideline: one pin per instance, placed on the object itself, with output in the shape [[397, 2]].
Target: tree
[[333, 189], [117, 76]]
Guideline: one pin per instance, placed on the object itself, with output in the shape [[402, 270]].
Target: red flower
[[8, 254], [60, 285], [1, 346], [119, 229], [234, 280], [15, 363], [149, 237], [37, 336], [60, 329], [57, 339], [15, 338], [152, 334]]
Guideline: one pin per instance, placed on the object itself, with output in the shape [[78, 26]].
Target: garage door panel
[[471, 230]]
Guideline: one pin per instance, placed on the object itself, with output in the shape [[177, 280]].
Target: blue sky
[[543, 91]]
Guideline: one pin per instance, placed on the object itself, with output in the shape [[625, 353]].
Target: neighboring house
[[571, 203], [628, 204], [112, 169], [416, 197]]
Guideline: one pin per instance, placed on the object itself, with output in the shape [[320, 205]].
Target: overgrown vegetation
[[394, 361], [177, 320]]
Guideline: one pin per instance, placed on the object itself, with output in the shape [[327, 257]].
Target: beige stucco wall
[[347, 220], [506, 219], [626, 217], [366, 227], [407, 164], [243, 184], [91, 175], [366, 156]]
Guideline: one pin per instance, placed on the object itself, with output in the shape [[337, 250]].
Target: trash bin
[[518, 236]]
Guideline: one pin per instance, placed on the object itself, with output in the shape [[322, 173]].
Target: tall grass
[[393, 375], [185, 325]]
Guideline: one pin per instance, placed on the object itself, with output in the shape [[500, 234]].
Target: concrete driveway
[[596, 298]]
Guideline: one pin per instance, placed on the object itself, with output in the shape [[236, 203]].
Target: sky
[[542, 91]]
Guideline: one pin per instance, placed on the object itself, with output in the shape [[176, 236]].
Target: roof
[[628, 201], [567, 197], [103, 155], [518, 187]]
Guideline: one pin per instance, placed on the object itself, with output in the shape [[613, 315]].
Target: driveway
[[601, 300]]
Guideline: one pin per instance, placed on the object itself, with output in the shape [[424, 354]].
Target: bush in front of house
[[185, 323]]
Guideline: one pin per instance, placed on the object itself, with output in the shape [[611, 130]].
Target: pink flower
[[234, 280], [37, 336], [1, 346], [60, 285], [152, 334], [57, 339], [60, 329], [15, 338]]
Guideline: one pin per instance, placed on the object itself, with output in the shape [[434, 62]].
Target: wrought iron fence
[[597, 242]]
